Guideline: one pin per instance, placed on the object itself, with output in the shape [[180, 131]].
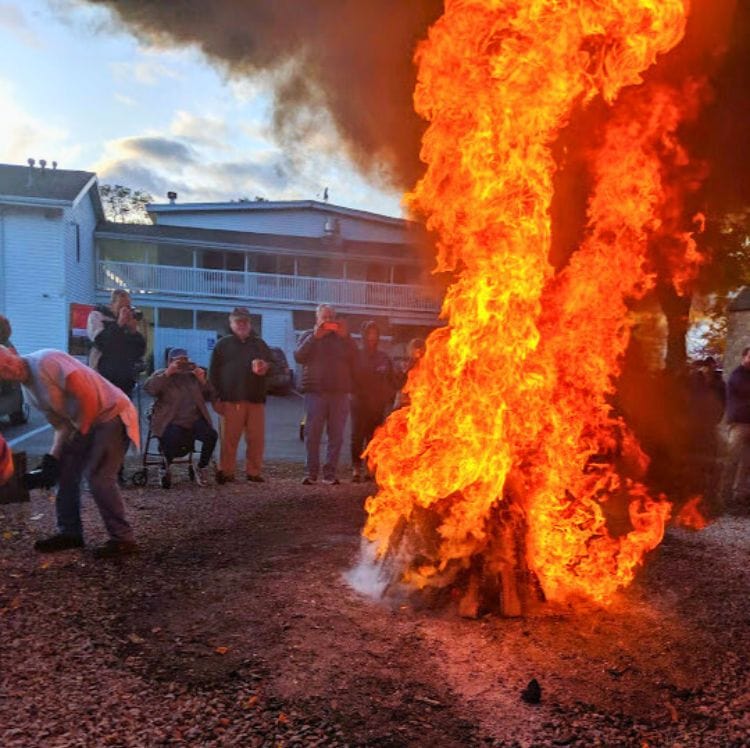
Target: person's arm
[[77, 387], [156, 383], [305, 347]]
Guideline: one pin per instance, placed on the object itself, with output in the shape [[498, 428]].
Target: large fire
[[506, 461]]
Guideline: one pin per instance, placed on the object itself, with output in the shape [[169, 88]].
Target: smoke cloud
[[351, 59]]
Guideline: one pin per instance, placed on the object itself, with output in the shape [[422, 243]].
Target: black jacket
[[120, 350], [738, 396], [230, 371], [328, 363]]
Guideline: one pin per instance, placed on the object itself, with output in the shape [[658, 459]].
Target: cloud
[[126, 100], [156, 148], [200, 130], [22, 136], [13, 19], [146, 72]]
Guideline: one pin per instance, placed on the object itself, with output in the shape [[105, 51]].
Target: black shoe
[[114, 548], [256, 479], [58, 542], [221, 479], [331, 481], [308, 480]]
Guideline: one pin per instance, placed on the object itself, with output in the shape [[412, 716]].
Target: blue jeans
[[329, 409], [98, 457]]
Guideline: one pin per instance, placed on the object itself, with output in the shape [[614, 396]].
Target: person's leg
[[232, 423], [206, 434], [338, 412], [315, 413], [255, 434], [372, 420], [357, 440], [172, 441], [68, 501], [740, 487], [103, 459]]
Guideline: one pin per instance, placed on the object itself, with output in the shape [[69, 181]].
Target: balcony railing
[[291, 289]]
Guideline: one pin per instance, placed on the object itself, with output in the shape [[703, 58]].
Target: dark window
[[236, 261], [169, 255], [405, 274], [216, 321], [179, 318], [378, 273], [286, 265], [211, 259], [266, 264], [77, 229]]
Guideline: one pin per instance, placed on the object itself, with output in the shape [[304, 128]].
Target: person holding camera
[[328, 356], [92, 420], [239, 364], [118, 345], [180, 416]]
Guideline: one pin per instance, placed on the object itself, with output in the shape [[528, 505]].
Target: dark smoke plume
[[352, 58]]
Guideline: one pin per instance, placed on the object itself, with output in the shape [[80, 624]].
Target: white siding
[[278, 331], [80, 265], [299, 222], [34, 278]]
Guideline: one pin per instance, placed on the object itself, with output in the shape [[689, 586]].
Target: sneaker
[[309, 481], [331, 481], [222, 478], [58, 542], [201, 476], [114, 548], [356, 475], [256, 479], [165, 477]]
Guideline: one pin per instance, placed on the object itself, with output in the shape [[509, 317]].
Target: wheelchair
[[153, 456]]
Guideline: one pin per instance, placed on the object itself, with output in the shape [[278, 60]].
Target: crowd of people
[[94, 420]]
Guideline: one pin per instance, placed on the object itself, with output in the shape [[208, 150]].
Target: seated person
[[180, 415]]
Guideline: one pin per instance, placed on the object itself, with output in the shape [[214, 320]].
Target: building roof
[[220, 238], [61, 185], [267, 205]]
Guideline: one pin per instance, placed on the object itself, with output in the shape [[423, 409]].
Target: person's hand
[[260, 367], [342, 330], [200, 374], [125, 318], [219, 407], [173, 368], [320, 331]]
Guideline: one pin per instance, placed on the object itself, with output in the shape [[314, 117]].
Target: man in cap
[[239, 364], [180, 416], [91, 419]]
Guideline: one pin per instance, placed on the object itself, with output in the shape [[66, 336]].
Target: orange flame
[[509, 424], [690, 516]]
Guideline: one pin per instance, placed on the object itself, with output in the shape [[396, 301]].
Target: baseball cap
[[177, 353], [240, 311]]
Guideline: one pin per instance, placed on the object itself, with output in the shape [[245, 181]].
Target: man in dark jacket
[[328, 356], [374, 389], [239, 364], [180, 416], [118, 344], [738, 420]]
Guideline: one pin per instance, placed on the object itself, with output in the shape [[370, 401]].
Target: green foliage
[[124, 205]]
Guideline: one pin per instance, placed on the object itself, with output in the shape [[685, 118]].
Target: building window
[[405, 274], [216, 321], [378, 273], [120, 251], [169, 255], [77, 230], [210, 259], [265, 264], [177, 318], [236, 261], [286, 265], [320, 267]]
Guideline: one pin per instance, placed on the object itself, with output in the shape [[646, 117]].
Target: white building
[[198, 261], [47, 222]]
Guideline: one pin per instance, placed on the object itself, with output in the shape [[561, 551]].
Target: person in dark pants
[[180, 416], [734, 479], [375, 386], [239, 364], [328, 356], [92, 420]]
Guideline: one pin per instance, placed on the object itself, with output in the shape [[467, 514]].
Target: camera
[[44, 476], [186, 366], [331, 326], [137, 313]]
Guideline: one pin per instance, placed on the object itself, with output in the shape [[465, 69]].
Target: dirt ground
[[235, 626]]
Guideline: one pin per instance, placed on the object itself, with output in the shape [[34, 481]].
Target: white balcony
[[285, 289]]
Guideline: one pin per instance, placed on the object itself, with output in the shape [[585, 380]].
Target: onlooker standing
[[328, 356], [374, 388], [5, 332], [239, 364], [91, 418], [738, 419], [118, 344], [6, 462], [180, 416]]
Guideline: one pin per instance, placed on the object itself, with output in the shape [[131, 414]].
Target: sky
[[77, 89]]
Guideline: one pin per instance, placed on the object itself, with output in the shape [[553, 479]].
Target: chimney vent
[[30, 162], [172, 197], [54, 165], [43, 163]]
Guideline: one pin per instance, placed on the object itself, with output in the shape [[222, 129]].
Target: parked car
[[280, 379], [12, 404]]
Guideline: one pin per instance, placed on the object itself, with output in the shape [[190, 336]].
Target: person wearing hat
[[180, 416], [239, 364], [92, 420], [375, 385]]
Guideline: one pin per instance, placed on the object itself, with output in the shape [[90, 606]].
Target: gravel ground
[[234, 626]]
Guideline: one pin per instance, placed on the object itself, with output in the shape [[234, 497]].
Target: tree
[[124, 205]]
